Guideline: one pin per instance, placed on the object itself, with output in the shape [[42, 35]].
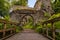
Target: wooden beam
[[42, 28], [53, 31], [46, 30], [4, 30]]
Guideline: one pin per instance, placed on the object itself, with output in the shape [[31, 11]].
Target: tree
[[56, 6], [4, 8], [21, 2]]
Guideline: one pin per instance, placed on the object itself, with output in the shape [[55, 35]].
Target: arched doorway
[[27, 21]]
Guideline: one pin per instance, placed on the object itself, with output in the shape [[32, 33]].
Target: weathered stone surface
[[44, 5], [37, 13]]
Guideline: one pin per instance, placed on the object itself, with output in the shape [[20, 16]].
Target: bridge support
[[53, 31], [4, 30], [42, 28], [46, 30]]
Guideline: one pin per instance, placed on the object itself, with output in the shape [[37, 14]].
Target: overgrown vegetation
[[21, 2], [5, 6], [56, 8], [54, 16]]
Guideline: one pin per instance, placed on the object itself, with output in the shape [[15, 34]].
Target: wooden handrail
[[7, 22], [5, 27], [52, 21]]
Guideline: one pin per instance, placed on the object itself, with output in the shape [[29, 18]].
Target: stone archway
[[19, 15], [27, 18]]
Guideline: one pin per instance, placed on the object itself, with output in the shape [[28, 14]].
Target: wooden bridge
[[28, 34], [37, 13]]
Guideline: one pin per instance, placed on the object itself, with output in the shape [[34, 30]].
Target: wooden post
[[46, 30], [11, 30], [4, 30], [14, 28], [53, 31], [42, 28]]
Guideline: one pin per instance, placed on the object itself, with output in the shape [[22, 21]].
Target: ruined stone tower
[[45, 5], [37, 13]]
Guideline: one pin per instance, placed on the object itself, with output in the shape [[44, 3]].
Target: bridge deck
[[27, 35]]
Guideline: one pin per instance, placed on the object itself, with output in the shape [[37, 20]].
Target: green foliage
[[18, 29], [57, 25], [54, 16], [57, 36], [56, 6], [28, 25], [38, 27], [4, 7], [7, 17], [1, 26], [8, 26], [49, 25], [46, 14], [21, 2]]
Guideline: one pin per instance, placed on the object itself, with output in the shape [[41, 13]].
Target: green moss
[[1, 26], [54, 16], [18, 29], [46, 14], [57, 25]]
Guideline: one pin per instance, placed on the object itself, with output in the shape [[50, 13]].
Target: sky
[[31, 3]]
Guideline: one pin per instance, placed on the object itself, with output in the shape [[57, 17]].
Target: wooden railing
[[52, 29], [4, 30]]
